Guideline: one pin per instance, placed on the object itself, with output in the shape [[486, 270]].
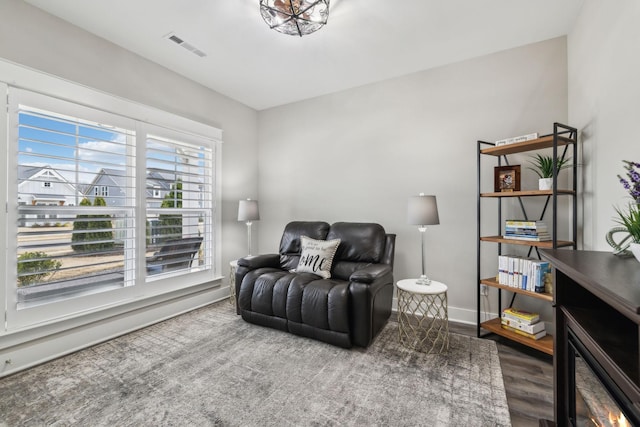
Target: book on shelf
[[525, 223], [525, 327], [542, 277], [528, 274], [527, 228], [525, 334], [536, 231], [524, 231], [538, 238], [521, 315], [507, 270], [513, 140]]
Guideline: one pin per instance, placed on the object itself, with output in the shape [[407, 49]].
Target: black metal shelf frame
[[559, 130]]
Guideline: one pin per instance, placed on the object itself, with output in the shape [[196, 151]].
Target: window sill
[[101, 314]]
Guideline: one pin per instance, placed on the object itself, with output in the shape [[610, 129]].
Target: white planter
[[545, 183], [635, 250]]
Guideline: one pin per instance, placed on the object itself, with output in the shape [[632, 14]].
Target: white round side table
[[423, 321]]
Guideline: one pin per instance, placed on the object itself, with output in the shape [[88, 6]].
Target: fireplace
[[597, 339], [595, 399]]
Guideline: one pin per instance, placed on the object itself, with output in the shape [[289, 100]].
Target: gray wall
[[33, 38], [604, 101], [357, 155]]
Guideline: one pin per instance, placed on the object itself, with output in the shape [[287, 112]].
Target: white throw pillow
[[317, 256]]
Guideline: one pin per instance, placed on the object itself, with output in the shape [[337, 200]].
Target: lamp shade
[[248, 210], [422, 210]]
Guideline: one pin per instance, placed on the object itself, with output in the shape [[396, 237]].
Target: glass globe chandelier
[[295, 17]]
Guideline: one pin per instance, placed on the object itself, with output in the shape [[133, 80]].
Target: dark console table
[[597, 322]]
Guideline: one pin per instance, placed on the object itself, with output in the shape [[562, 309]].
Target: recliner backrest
[[389, 250], [361, 244], [290, 242]]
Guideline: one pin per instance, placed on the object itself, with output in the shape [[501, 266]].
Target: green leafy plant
[[80, 225], [102, 229], [543, 165], [34, 266], [92, 228], [630, 219], [171, 224]]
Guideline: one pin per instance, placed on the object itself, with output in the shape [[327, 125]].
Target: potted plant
[[543, 167], [630, 219]]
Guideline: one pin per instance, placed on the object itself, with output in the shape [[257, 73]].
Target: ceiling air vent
[[191, 48]]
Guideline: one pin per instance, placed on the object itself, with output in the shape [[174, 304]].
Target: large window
[[99, 203]]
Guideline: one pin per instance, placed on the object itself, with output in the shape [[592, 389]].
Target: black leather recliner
[[348, 309]]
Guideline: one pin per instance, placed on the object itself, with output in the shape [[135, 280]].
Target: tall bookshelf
[[563, 144]]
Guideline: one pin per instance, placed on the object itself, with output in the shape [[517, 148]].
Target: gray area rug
[[209, 367]]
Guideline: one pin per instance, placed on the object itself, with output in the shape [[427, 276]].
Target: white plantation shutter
[[101, 204], [71, 239], [182, 170]]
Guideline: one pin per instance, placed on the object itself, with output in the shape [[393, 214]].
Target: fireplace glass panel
[[597, 401], [594, 404]]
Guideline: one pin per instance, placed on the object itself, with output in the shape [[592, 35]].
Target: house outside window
[[94, 248]]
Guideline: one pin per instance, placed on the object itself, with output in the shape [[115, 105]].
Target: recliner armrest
[[252, 262], [370, 273]]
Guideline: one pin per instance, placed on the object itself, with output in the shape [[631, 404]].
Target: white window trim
[[24, 78], [4, 88]]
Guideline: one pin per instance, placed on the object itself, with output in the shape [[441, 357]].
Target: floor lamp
[[422, 211], [248, 212]]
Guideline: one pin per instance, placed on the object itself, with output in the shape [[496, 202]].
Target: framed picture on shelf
[[506, 178]]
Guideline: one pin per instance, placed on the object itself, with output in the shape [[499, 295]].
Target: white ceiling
[[364, 41]]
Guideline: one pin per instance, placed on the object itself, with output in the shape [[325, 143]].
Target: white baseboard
[[462, 315], [455, 314]]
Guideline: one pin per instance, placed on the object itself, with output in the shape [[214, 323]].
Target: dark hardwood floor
[[528, 379]]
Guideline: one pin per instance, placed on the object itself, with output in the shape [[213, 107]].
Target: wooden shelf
[[563, 141], [534, 144], [546, 244], [544, 344], [494, 284], [525, 193]]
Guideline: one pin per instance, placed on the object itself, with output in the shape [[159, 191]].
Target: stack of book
[[516, 139], [533, 231], [523, 323], [524, 273]]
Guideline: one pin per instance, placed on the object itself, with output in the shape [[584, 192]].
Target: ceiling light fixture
[[295, 17]]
